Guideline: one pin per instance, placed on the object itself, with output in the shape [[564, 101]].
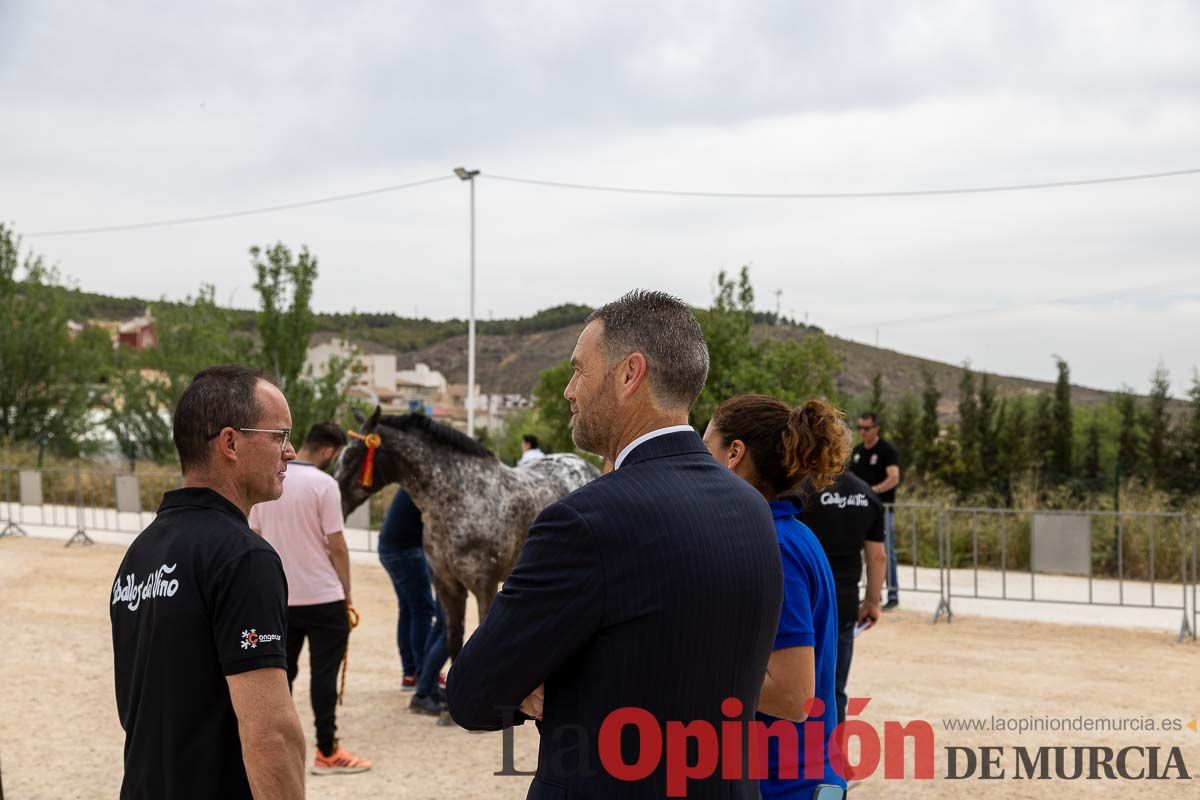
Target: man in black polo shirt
[[199, 610], [847, 518], [876, 462]]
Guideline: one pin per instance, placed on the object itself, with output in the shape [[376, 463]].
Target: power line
[[1020, 187], [232, 214], [615, 189]]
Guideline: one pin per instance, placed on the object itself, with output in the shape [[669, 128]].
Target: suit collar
[[669, 444]]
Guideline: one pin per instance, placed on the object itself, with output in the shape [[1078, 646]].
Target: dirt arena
[[59, 735]]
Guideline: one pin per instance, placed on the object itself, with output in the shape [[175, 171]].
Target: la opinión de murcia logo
[[737, 749], [252, 638], [132, 592]]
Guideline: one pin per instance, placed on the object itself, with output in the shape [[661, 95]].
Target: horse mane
[[442, 434]]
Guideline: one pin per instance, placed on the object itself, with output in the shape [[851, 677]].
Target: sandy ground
[[59, 736]]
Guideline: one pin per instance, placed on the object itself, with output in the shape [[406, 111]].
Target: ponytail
[[805, 447], [816, 444]]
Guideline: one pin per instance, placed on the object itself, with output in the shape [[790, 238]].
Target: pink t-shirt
[[296, 526]]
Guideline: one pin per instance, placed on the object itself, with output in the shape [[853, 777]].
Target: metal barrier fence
[[1092, 558]]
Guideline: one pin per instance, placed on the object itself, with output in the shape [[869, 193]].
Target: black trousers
[[327, 629], [844, 656]]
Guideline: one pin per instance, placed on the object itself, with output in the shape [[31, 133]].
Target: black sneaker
[[891, 605], [430, 704]]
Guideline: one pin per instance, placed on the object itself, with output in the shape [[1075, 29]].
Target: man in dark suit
[[656, 586]]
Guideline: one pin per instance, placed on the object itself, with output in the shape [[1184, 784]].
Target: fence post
[[943, 550], [11, 528], [1184, 627], [79, 535]]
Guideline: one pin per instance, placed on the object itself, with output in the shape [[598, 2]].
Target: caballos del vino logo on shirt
[[132, 592], [841, 501], [252, 638]]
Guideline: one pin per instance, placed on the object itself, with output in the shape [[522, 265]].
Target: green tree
[[1062, 435], [1158, 447], [1012, 444], [986, 435], [930, 428], [970, 474], [553, 410], [1130, 436], [876, 401], [904, 431], [284, 283], [192, 335], [1041, 435], [47, 378], [784, 368], [285, 319], [139, 417], [1187, 475], [1091, 452]]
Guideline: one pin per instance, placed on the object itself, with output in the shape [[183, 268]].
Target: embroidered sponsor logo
[[157, 584], [252, 638]]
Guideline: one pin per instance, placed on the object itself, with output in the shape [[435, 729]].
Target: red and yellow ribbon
[[372, 441]]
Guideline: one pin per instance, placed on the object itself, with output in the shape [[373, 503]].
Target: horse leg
[[485, 592], [453, 597]]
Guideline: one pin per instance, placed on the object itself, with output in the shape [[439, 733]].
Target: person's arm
[[333, 525], [890, 481], [248, 602], [791, 672], [790, 683], [339, 556], [272, 739], [550, 605], [868, 610]]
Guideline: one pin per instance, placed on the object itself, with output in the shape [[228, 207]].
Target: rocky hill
[[512, 364]]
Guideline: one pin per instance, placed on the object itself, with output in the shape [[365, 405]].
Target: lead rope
[[352, 616]]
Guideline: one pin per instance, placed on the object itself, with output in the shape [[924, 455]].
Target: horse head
[[349, 469], [408, 446]]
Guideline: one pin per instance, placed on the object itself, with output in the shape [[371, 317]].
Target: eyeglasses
[[867, 427], [284, 434]]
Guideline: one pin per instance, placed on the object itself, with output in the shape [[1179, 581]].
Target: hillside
[[513, 352], [512, 364]]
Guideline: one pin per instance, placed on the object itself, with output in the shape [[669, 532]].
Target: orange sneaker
[[338, 763]]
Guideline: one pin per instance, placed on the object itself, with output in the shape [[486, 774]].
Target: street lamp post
[[468, 175]]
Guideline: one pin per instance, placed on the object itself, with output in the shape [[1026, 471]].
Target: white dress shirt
[[645, 437]]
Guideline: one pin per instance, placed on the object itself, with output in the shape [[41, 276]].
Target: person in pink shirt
[[305, 528]]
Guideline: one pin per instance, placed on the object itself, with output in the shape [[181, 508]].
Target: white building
[[376, 370]]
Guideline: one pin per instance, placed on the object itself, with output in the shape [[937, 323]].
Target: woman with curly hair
[[780, 450]]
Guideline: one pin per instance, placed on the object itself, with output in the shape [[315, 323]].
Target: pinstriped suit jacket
[[656, 586]]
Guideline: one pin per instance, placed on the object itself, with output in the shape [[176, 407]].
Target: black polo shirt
[[844, 517], [198, 596], [871, 465]]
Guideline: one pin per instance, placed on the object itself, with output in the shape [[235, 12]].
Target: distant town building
[[138, 333], [398, 391]]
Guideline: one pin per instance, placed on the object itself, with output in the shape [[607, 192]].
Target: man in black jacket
[[657, 586]]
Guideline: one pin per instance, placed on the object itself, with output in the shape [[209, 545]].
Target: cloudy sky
[[116, 113]]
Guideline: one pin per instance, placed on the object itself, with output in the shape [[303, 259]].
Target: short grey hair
[[664, 330]]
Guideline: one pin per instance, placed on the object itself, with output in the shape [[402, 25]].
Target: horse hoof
[[444, 720]]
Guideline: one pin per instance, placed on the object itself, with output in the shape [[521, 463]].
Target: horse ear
[[358, 416], [374, 420]]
